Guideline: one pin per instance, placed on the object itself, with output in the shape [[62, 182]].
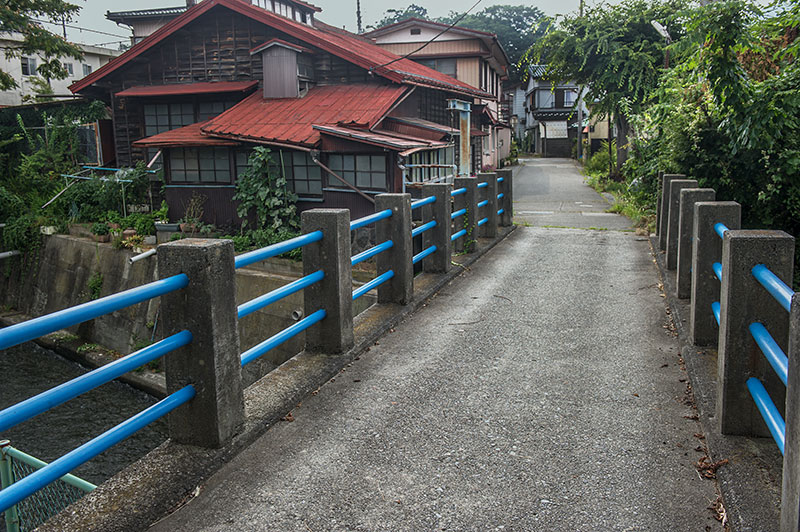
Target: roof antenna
[[358, 16]]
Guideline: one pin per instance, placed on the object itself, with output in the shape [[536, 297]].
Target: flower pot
[[168, 227], [188, 228], [127, 233]]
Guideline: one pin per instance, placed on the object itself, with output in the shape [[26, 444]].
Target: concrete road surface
[[539, 391]]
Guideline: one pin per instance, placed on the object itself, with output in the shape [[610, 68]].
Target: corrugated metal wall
[[280, 73]]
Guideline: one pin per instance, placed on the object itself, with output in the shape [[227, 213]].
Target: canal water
[[28, 369]]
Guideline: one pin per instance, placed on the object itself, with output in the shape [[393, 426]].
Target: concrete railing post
[[467, 201], [663, 221], [689, 197], [659, 193], [211, 362], [706, 250], [489, 229], [675, 187], [507, 203], [743, 301], [398, 258], [790, 494], [439, 236], [334, 293]]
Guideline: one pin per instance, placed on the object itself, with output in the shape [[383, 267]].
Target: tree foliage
[[393, 16], [17, 16]]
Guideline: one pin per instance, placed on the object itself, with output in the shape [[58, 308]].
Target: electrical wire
[[453, 25], [78, 28]]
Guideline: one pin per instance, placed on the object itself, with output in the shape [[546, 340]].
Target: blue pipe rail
[[32, 329], [424, 201], [501, 196], [245, 259], [717, 267], [458, 192], [772, 283], [772, 351], [279, 293], [33, 406], [501, 211], [769, 412], [371, 219], [458, 235], [720, 229], [424, 253], [459, 212], [376, 282], [483, 203], [501, 179], [715, 308], [422, 228], [483, 185], [482, 221], [274, 341], [371, 252], [58, 468]]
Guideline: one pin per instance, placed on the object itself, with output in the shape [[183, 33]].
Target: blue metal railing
[[424, 253], [458, 235], [245, 259], [483, 185], [482, 221], [274, 341], [501, 196], [501, 211], [501, 179], [371, 219], [376, 282], [717, 267], [769, 412], [483, 203], [459, 212], [458, 192], [58, 468], [720, 229], [422, 228], [22, 411], [371, 252], [32, 329], [777, 288], [279, 293], [772, 351], [715, 309], [424, 201]]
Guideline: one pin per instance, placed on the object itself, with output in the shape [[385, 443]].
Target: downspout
[[315, 158]]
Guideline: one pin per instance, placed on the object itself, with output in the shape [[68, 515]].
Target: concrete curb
[[750, 483], [172, 474]]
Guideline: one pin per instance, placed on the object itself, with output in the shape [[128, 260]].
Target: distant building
[[514, 100], [23, 69], [552, 114], [471, 56]]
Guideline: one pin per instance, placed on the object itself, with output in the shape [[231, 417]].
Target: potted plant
[[100, 232]]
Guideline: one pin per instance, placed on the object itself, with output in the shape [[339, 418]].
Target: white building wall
[[94, 57]]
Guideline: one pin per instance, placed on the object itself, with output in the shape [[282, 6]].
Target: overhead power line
[[80, 28]]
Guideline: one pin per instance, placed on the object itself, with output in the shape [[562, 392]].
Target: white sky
[[336, 12]]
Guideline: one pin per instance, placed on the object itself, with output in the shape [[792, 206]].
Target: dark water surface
[[28, 369]]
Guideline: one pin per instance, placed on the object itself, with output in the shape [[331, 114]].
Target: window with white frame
[[570, 95], [28, 66]]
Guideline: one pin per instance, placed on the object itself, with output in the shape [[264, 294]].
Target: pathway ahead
[[539, 391]]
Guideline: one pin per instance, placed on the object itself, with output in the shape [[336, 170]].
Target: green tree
[[517, 29], [615, 52], [18, 16]]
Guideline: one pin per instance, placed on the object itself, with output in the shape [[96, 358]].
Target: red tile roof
[[204, 87], [188, 136], [337, 42], [291, 120]]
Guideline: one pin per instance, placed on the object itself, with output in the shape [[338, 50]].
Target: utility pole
[[579, 150], [358, 16]]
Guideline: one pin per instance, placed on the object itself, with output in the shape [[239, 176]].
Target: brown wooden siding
[[437, 47], [467, 70]]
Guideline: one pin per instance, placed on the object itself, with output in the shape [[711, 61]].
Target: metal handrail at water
[[458, 192], [501, 196], [58, 468], [459, 212], [501, 211], [455, 236], [483, 184], [769, 412], [772, 283], [371, 252], [771, 350], [35, 463], [288, 333], [482, 221], [32, 329], [376, 282], [422, 228], [720, 229], [424, 253], [371, 219], [483, 203], [279, 293], [258, 255], [425, 201], [501, 179]]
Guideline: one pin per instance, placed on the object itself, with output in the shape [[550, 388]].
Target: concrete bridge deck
[[541, 390]]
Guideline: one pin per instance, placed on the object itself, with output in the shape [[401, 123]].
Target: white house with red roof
[[341, 114]]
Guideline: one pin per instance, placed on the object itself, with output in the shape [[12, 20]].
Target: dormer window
[[299, 11], [288, 68]]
